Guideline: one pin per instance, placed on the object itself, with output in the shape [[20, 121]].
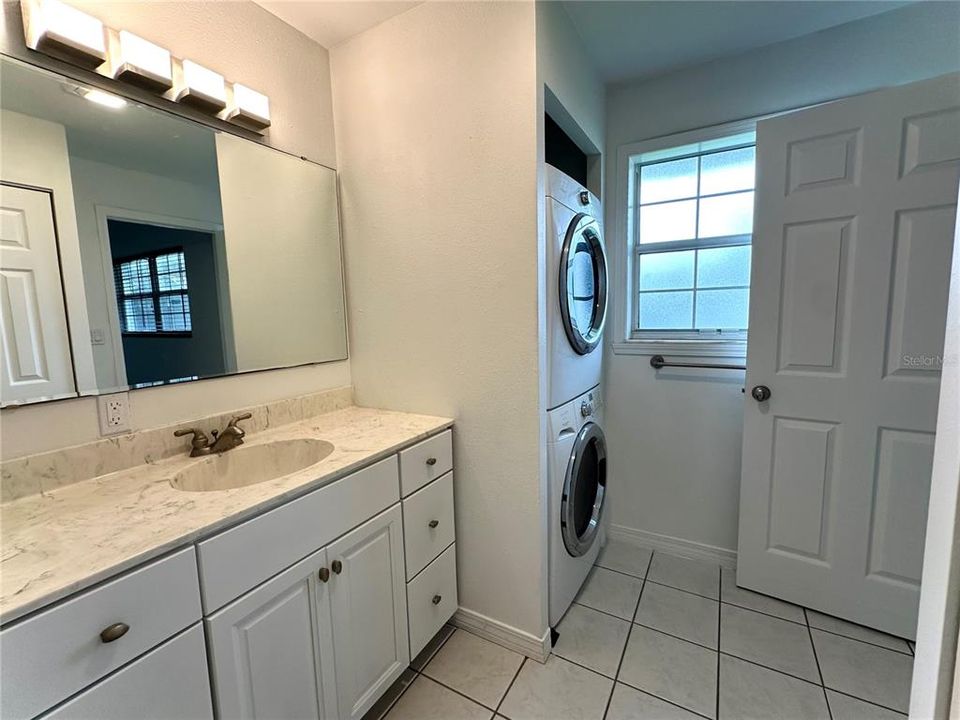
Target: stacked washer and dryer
[[577, 456]]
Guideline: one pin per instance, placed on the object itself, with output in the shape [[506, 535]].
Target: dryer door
[[583, 284], [584, 490]]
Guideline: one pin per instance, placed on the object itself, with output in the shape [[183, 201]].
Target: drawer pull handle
[[436, 599], [324, 574], [431, 461], [114, 632], [337, 566], [433, 523]]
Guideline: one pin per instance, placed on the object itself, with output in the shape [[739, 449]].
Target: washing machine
[[576, 288], [577, 474]]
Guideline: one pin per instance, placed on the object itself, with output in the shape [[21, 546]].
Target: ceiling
[[330, 22], [628, 40], [133, 136]]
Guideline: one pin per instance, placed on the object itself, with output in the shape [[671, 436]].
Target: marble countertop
[[75, 536]]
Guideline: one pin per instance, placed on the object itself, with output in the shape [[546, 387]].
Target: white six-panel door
[[35, 361], [855, 209]]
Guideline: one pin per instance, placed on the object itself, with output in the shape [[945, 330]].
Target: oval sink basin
[[251, 464]]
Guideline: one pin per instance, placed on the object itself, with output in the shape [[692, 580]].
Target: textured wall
[[437, 131]]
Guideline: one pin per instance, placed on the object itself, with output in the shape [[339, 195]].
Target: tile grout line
[[816, 659], [510, 686], [716, 712], [663, 699], [676, 637], [626, 643], [868, 702]]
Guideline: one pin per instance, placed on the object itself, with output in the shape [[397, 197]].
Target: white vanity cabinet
[[271, 651]]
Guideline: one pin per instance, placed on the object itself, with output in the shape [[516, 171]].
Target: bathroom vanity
[[304, 595]]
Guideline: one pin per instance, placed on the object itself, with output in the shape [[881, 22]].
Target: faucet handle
[[200, 439], [233, 422]]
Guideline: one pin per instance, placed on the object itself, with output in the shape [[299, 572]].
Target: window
[[691, 224], [152, 293]]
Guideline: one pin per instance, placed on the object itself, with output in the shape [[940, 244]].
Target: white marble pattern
[[628, 703], [475, 667], [675, 612], [672, 669], [696, 576], [844, 707], [869, 672], [857, 632], [428, 700], [592, 639], [770, 641], [70, 538], [733, 595], [611, 592], [750, 692], [624, 557], [556, 690]]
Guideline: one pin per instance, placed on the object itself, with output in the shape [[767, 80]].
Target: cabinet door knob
[[337, 566], [431, 461], [433, 523], [114, 632], [324, 574], [436, 599]]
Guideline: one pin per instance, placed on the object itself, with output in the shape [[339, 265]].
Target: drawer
[[425, 461], [438, 580], [428, 523], [170, 682], [59, 651], [243, 557]]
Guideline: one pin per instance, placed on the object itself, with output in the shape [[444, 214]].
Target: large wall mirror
[[139, 248]]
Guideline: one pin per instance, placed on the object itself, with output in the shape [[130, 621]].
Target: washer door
[[583, 284], [584, 490]]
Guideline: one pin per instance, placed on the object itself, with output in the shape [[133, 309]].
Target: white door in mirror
[[36, 360]]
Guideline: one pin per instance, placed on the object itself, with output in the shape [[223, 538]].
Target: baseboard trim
[[502, 634], [676, 546]]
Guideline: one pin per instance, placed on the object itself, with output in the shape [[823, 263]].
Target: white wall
[[436, 116], [244, 42], [675, 439]]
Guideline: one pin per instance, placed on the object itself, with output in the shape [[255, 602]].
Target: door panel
[[369, 611], [35, 361], [271, 652], [855, 210]]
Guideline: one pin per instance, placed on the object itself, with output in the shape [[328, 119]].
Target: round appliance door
[[583, 284], [584, 490]]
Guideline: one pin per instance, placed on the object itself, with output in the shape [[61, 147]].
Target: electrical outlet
[[114, 412]]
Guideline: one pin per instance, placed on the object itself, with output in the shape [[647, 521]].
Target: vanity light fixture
[[57, 29], [249, 108], [202, 88], [140, 62]]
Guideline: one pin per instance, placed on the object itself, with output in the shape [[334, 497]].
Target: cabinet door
[[271, 652], [170, 682], [369, 611]]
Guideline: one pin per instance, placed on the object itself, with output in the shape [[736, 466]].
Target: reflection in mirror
[[200, 253]]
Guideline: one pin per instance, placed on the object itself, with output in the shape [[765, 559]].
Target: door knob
[[433, 524], [760, 393], [114, 632], [324, 574], [431, 461], [336, 566], [436, 599]]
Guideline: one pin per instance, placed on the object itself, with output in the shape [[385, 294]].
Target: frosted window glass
[[723, 267], [722, 309], [726, 215], [667, 270], [666, 310], [727, 171], [670, 221], [668, 181]]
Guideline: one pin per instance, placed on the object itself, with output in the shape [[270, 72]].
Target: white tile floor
[[656, 637]]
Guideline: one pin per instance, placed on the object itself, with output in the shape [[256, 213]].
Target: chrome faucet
[[231, 436]]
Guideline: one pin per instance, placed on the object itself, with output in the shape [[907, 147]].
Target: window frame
[[630, 340], [154, 295]]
